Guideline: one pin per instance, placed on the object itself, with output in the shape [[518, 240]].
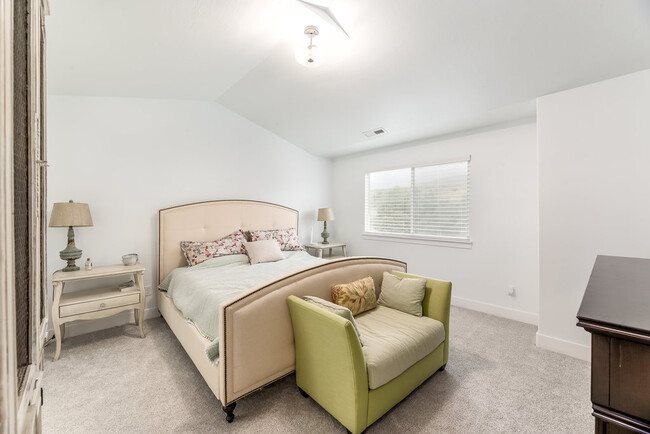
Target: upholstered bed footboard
[[256, 341], [256, 337]]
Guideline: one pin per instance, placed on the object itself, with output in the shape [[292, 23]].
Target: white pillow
[[263, 251]]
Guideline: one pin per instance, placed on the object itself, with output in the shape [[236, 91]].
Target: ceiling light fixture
[[309, 56], [325, 14]]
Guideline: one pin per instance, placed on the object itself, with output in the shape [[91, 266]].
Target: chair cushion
[[393, 341]]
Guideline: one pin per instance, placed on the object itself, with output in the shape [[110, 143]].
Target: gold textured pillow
[[358, 296]]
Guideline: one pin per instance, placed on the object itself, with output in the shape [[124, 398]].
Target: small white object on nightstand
[[96, 303], [319, 247]]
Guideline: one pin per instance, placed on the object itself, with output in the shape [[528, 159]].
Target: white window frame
[[464, 243]]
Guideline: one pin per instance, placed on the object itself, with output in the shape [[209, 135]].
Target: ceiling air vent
[[375, 132]]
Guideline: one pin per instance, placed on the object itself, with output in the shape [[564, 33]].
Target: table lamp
[[325, 215], [70, 214]]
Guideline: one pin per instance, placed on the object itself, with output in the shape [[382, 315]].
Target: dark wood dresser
[[616, 311]]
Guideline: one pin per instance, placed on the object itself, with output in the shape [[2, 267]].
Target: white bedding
[[199, 290]]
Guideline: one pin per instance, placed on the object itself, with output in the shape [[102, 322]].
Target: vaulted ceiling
[[418, 68]]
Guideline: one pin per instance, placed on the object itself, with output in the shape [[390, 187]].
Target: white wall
[[594, 185], [503, 220], [128, 158]]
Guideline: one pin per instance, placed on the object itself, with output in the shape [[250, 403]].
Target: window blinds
[[430, 201]]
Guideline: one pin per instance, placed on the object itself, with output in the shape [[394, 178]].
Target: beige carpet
[[496, 381]]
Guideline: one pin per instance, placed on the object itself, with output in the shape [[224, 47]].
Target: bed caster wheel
[[303, 393], [229, 409]]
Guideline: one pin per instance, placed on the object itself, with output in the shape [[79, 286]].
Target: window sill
[[418, 239]]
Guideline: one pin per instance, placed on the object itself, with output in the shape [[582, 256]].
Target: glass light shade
[[309, 55]]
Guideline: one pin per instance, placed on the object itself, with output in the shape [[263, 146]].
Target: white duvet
[[199, 290]]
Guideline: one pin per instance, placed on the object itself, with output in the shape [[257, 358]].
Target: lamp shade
[[325, 214], [70, 214]]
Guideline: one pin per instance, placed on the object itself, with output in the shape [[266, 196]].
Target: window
[[430, 202]]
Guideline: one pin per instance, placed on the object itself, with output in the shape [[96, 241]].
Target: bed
[[255, 334]]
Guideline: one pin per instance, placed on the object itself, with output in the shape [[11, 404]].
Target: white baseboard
[[493, 309], [561, 346], [77, 328]]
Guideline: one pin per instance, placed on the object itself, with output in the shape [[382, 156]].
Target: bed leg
[[229, 409], [303, 393]]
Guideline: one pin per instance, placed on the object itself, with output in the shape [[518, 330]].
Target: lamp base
[[71, 253], [71, 266], [325, 234]]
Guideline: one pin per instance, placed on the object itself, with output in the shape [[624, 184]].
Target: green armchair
[[330, 364]]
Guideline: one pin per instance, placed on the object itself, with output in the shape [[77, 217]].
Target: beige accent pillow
[[402, 293], [263, 251], [358, 296], [341, 311]]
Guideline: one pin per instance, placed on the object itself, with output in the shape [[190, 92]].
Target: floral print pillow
[[358, 296], [286, 238], [200, 251]]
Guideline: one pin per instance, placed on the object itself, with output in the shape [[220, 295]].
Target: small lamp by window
[[325, 215], [70, 214]]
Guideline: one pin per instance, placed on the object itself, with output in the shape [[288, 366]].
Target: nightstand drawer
[[76, 305]]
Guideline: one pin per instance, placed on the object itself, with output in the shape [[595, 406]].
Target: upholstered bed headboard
[[208, 221]]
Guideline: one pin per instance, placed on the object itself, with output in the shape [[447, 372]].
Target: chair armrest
[[436, 303], [330, 366]]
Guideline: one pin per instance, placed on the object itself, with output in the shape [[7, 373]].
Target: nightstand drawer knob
[[102, 306]]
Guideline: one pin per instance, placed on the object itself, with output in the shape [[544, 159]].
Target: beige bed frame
[[256, 338]]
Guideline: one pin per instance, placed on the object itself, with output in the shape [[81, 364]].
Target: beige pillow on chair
[[334, 308], [402, 293]]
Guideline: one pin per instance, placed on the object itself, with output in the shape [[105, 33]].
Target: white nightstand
[[96, 303], [319, 247]]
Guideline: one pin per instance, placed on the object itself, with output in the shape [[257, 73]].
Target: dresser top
[[618, 293]]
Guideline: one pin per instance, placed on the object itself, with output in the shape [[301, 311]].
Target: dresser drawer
[[77, 305], [629, 388]]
